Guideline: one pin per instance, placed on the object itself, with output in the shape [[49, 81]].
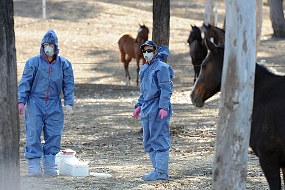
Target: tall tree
[[161, 19], [232, 141], [9, 119], [259, 18], [277, 17], [211, 14]]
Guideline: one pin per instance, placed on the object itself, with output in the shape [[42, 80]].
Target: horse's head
[[195, 34], [214, 32], [209, 80], [142, 34]]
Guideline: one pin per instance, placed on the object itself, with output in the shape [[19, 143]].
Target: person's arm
[[140, 101], [141, 98], [165, 86], [26, 82], [138, 106], [68, 83]]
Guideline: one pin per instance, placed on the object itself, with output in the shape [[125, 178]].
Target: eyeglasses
[[148, 50], [48, 44]]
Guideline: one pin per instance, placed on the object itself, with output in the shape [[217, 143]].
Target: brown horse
[[130, 48], [214, 32], [267, 136]]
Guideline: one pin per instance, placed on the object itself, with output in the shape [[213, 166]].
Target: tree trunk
[[9, 119], [277, 17], [161, 18], [211, 12], [259, 18], [235, 109]]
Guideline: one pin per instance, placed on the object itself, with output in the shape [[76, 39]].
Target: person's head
[[50, 43], [149, 50]]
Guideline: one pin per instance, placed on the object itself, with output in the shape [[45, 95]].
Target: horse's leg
[[271, 169], [123, 60], [283, 172], [195, 70], [126, 65], [128, 78], [123, 57], [138, 70]]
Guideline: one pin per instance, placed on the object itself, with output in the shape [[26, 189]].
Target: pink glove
[[21, 108], [163, 113], [137, 112]]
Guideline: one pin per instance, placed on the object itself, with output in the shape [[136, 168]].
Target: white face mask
[[148, 56], [49, 51]]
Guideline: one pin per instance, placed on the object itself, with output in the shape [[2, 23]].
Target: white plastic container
[[76, 169], [65, 157], [62, 157]]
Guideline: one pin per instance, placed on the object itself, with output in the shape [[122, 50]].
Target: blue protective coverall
[[155, 93], [40, 88]]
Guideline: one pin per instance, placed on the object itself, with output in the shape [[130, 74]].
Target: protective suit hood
[[50, 37], [162, 53]]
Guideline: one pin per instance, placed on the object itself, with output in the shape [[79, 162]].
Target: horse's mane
[[218, 29], [214, 27]]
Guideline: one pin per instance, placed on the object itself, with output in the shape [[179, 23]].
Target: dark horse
[[214, 32], [130, 48], [198, 49], [267, 138]]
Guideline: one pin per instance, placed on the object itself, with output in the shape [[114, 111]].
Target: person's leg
[[53, 129], [160, 142], [34, 167], [146, 134], [152, 155], [33, 150], [162, 158], [49, 165], [146, 138]]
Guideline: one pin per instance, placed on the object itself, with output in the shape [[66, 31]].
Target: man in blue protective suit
[[155, 108], [44, 78]]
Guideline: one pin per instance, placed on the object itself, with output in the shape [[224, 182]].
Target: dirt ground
[[101, 129]]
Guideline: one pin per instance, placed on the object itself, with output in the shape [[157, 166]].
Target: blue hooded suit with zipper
[[40, 88], [155, 93]]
